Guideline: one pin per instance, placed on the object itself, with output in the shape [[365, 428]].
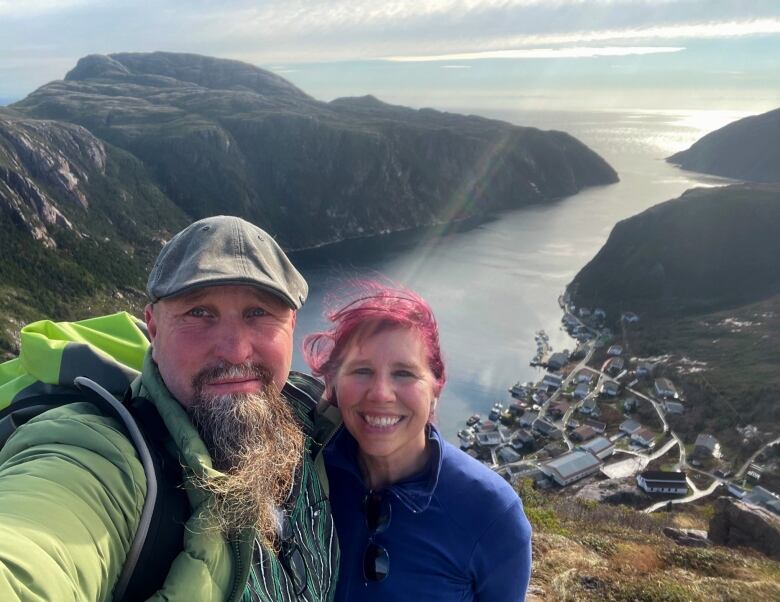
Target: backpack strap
[[104, 400], [165, 538]]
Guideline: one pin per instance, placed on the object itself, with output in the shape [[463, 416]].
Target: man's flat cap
[[223, 250]]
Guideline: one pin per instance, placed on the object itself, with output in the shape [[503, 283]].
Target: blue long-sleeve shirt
[[457, 532]]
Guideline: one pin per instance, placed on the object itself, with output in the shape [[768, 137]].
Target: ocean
[[494, 284]]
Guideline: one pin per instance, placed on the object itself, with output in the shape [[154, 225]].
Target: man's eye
[[198, 312], [405, 374], [257, 312]]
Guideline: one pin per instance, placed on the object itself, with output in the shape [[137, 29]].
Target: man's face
[[219, 327]]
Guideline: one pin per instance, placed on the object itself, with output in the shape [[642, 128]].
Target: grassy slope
[[588, 551], [740, 382]]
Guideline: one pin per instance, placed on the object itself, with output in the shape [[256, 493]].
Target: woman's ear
[[432, 411]]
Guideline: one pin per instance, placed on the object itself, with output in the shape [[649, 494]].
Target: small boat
[[473, 419], [495, 411], [466, 437]]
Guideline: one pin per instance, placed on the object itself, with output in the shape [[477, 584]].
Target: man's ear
[[151, 325], [294, 318]]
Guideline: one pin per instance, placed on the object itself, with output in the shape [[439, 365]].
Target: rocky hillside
[[586, 551], [709, 248], [748, 149], [223, 136], [80, 221]]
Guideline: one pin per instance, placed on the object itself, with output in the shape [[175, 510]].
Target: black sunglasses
[[376, 559], [291, 558]]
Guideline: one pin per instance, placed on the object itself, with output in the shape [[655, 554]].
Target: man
[[258, 526]]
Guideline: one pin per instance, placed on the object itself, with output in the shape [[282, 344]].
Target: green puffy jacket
[[71, 493]]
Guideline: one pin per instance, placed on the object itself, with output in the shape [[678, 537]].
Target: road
[[750, 460]]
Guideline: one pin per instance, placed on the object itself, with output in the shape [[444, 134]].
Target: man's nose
[[234, 344]]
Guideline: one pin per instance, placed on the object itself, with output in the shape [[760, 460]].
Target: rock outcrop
[[221, 136], [748, 149], [739, 524], [690, 538]]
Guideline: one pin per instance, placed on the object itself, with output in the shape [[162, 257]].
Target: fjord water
[[494, 284]]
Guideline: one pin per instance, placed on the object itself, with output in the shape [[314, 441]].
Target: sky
[[451, 54]]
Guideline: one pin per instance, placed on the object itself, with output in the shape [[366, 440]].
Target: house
[[609, 388], [763, 497], [584, 377], [665, 389], [581, 391], [629, 404], [615, 366], [557, 361], [522, 440], [488, 439], [519, 391], [596, 425], [558, 409], [600, 446], [527, 419], [629, 317], [599, 314], [589, 406], [644, 369], [584, 312], [487, 425], [629, 427], [706, 446], [571, 467], [673, 407], [644, 437], [506, 455], [615, 350], [516, 408], [583, 433], [661, 481], [545, 428], [551, 382]]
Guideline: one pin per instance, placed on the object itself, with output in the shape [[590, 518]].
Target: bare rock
[[692, 538], [739, 524]]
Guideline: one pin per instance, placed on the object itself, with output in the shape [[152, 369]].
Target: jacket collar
[[414, 492]]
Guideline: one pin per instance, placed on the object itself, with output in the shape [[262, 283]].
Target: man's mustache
[[224, 370]]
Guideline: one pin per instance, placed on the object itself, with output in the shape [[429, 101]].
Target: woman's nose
[[381, 390]]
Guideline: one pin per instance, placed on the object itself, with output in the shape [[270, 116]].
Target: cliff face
[[748, 149], [708, 248], [223, 136]]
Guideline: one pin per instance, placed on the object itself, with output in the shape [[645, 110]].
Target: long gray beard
[[257, 444]]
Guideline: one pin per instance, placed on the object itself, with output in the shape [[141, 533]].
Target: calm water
[[494, 285]]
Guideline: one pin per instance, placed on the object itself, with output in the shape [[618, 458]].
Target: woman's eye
[[405, 374], [362, 371]]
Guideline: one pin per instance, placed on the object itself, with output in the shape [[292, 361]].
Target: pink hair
[[376, 308]]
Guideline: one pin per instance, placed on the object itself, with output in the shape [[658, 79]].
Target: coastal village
[[596, 424]]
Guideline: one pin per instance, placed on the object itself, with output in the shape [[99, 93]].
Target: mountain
[[748, 149], [220, 136], [701, 271], [709, 248]]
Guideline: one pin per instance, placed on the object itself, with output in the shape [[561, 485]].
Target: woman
[[417, 519]]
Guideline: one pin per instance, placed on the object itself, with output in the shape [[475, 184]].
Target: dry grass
[[596, 552]]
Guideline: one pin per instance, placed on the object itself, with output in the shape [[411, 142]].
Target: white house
[[661, 481]]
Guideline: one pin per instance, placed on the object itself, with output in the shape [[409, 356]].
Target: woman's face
[[385, 390]]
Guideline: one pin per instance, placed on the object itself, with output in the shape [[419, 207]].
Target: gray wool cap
[[225, 250]]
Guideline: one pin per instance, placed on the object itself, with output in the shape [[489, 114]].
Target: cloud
[[456, 66], [540, 53], [31, 8]]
